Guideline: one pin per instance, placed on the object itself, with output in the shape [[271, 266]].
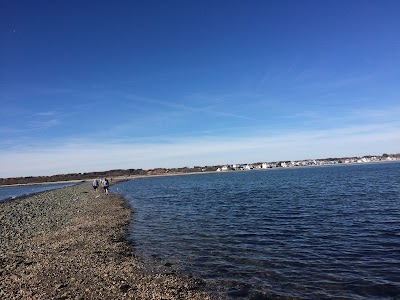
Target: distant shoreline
[[122, 178], [42, 183]]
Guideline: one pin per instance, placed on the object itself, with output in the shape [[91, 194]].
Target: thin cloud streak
[[205, 109], [345, 81], [31, 126], [45, 114]]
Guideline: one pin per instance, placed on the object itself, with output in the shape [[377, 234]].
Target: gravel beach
[[69, 244]]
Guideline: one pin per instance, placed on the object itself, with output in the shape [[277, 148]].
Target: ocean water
[[303, 233], [13, 192]]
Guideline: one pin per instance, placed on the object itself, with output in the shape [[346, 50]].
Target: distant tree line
[[127, 173], [101, 174], [71, 176]]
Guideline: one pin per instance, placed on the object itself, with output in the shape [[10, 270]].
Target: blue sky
[[99, 85]]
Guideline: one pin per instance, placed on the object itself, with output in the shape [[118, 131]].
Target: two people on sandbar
[[104, 183]]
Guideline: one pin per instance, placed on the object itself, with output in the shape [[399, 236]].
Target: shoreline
[[70, 243], [124, 178], [43, 183]]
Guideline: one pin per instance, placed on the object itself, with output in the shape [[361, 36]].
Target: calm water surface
[[12, 192], [308, 233]]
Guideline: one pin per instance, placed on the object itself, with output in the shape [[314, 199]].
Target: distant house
[[282, 164], [265, 166], [312, 162], [223, 169]]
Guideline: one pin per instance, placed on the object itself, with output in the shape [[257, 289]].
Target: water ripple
[[311, 233]]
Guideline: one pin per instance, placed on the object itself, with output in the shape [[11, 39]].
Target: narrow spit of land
[[69, 244]]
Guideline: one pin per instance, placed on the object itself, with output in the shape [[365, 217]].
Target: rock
[[124, 288], [63, 297], [52, 247], [61, 286]]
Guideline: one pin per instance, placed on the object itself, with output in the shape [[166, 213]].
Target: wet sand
[[69, 244]]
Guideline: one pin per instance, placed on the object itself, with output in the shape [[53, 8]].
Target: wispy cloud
[[45, 114], [332, 116], [318, 79], [90, 156], [29, 122], [42, 124], [43, 120], [387, 113], [207, 109]]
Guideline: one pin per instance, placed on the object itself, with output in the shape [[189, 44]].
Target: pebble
[[49, 249]]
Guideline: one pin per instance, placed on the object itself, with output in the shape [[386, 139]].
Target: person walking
[[105, 185], [95, 185]]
